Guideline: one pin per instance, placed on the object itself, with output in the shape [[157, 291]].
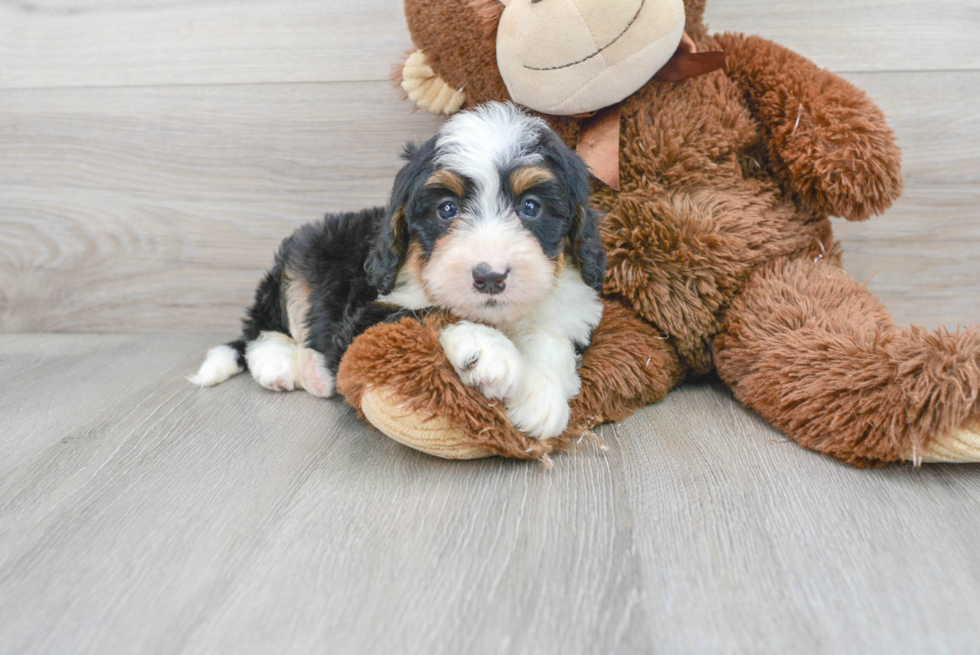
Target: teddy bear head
[[561, 57]]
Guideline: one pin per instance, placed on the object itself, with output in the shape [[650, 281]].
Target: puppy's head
[[485, 216]]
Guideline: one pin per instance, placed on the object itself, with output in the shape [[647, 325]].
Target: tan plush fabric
[[961, 447], [428, 90], [569, 57], [436, 436]]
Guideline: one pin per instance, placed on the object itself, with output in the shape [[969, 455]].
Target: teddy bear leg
[[818, 356], [397, 376]]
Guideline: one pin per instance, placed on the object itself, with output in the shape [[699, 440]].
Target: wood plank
[[143, 515], [57, 43], [235, 519], [147, 209], [61, 43], [157, 209], [864, 35], [921, 256], [750, 544]]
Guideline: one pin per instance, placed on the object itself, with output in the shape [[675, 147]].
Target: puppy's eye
[[448, 211], [530, 209]]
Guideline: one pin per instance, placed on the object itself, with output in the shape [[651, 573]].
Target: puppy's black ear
[[391, 240], [583, 232], [587, 248], [387, 251]]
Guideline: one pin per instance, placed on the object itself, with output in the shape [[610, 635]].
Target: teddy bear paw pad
[[962, 446], [435, 436]]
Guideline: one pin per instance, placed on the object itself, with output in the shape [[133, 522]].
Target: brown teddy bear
[[719, 185]]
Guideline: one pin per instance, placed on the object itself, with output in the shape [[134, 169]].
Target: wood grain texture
[[156, 209], [750, 544], [139, 514], [921, 257], [870, 35], [68, 43]]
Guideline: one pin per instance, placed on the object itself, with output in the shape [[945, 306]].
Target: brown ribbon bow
[[598, 142]]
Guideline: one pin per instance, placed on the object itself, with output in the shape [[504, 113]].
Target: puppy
[[489, 221]]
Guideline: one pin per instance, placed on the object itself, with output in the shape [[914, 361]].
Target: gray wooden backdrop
[[152, 154]]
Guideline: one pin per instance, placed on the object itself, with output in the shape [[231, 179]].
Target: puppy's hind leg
[[314, 376], [272, 361], [279, 363], [311, 366]]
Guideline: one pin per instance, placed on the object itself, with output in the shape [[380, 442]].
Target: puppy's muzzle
[[486, 280]]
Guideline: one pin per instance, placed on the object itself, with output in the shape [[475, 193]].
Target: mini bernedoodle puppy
[[489, 221]]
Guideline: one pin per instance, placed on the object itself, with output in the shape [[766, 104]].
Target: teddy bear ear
[[427, 89]]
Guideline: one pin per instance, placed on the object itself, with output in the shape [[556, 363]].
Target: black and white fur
[[488, 220]]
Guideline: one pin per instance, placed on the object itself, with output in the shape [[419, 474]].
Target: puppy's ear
[[387, 251], [391, 240], [583, 233], [587, 248]]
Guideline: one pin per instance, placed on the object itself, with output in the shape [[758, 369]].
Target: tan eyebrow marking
[[447, 180], [529, 176]]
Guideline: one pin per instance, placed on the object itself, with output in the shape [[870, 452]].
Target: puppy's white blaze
[[220, 364], [494, 137], [503, 244]]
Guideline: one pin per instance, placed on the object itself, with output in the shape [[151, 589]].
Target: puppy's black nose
[[488, 281]]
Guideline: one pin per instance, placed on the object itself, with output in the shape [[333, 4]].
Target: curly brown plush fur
[[720, 241], [627, 366]]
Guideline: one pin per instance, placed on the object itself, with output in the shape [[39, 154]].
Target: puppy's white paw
[[313, 374], [484, 358], [539, 408], [272, 361]]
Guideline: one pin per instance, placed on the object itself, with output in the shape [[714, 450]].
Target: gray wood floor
[[152, 155], [138, 514]]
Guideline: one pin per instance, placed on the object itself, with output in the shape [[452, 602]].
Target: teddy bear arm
[[397, 375], [628, 365], [831, 143]]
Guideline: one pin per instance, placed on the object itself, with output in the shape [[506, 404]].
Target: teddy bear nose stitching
[[489, 281]]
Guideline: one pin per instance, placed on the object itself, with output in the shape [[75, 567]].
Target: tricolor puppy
[[488, 220]]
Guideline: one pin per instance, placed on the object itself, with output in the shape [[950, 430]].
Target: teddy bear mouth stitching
[[597, 52]]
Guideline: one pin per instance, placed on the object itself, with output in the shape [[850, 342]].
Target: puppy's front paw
[[483, 357], [539, 408]]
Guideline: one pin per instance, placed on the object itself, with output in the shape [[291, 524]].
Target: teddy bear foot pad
[[958, 448], [435, 436]]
